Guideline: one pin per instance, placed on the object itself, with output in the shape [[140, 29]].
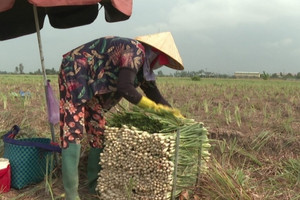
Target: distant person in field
[[93, 78]]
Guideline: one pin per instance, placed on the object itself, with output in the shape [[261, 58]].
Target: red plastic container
[[5, 178]]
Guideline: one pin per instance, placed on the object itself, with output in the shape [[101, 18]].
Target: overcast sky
[[220, 36]]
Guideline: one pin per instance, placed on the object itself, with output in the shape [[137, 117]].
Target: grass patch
[[254, 125]]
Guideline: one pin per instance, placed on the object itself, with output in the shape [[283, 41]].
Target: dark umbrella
[[17, 17], [22, 17]]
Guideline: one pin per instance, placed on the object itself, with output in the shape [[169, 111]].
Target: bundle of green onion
[[151, 155], [136, 165]]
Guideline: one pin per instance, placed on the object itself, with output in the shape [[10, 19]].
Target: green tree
[[265, 76], [288, 76], [51, 71], [275, 75], [160, 73], [21, 68], [17, 69], [38, 72]]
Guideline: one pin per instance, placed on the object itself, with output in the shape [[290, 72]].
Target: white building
[[247, 74]]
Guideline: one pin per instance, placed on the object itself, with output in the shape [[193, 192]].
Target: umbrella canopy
[[17, 16]]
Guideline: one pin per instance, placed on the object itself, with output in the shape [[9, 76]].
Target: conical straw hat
[[165, 43]]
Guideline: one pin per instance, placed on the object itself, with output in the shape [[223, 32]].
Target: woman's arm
[[126, 88], [125, 85]]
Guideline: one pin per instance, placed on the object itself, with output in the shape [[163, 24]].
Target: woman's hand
[[147, 103]]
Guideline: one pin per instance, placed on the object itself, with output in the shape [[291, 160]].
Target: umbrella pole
[[37, 26], [42, 63]]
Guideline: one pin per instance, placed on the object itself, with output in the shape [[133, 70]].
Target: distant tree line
[[195, 75], [20, 70], [205, 74], [48, 72]]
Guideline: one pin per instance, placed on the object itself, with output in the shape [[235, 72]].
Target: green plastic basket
[[28, 163]]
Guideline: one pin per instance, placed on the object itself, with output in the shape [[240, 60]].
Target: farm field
[[254, 128]]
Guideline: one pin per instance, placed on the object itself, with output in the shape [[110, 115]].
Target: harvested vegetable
[[150, 155], [136, 165]]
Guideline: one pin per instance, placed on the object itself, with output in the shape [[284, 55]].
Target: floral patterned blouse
[[92, 69]]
